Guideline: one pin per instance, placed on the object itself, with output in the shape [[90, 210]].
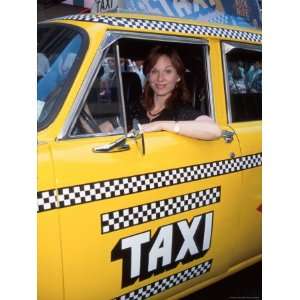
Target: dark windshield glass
[[59, 51]]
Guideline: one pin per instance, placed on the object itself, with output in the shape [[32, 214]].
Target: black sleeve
[[136, 112], [187, 113]]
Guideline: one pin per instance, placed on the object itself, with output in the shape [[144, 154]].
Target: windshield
[[58, 54]]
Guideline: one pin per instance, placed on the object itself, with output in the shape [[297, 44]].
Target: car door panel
[[125, 183], [50, 273], [244, 118], [249, 135]]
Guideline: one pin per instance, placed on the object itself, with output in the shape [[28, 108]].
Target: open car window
[[117, 88]]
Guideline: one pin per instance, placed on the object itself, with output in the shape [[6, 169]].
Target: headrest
[[132, 87]]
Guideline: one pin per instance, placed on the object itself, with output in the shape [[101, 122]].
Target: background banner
[[245, 13]]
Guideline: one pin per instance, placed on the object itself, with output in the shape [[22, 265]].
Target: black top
[[178, 112]]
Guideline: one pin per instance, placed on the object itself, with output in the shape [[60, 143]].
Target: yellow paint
[[74, 257], [49, 257]]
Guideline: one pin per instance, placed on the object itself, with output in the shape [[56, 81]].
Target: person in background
[[165, 104], [65, 65], [108, 79], [137, 67], [237, 79], [254, 78], [43, 65]]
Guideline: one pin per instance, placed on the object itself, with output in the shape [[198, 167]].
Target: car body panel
[[79, 249], [249, 135]]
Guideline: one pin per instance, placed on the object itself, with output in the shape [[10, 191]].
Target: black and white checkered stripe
[[167, 283], [168, 27], [106, 189], [136, 215], [46, 200]]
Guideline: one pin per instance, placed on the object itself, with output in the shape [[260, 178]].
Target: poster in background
[[245, 13]]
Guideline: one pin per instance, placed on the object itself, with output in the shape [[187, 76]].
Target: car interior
[[104, 97]]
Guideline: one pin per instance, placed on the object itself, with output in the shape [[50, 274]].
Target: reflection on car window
[[102, 111], [244, 76], [58, 49]]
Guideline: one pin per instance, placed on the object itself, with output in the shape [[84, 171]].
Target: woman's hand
[[106, 127], [153, 126]]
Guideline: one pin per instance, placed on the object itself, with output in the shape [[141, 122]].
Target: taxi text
[[182, 241]]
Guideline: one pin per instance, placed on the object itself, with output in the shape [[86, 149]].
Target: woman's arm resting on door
[[203, 128]]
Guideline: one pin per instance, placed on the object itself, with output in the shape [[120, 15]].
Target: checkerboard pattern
[[168, 27], [129, 185], [167, 283], [46, 200], [136, 215]]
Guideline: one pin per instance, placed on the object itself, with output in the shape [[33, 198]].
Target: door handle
[[120, 144], [228, 136], [117, 146]]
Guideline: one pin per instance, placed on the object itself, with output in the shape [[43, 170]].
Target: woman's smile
[[160, 86], [163, 77]]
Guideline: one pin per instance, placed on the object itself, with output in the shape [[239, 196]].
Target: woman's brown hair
[[180, 93]]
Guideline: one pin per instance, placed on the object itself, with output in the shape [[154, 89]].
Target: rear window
[[243, 74], [60, 49]]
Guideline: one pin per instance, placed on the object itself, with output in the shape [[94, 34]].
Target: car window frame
[[226, 47], [73, 72], [111, 38]]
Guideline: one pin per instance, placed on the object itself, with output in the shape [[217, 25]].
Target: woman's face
[[163, 77]]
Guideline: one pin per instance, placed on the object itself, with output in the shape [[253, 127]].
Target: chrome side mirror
[[116, 146], [120, 144], [137, 134]]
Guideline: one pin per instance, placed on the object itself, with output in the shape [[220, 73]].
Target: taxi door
[[244, 115], [135, 225]]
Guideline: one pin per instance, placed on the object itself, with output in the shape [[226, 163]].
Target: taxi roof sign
[[244, 13]]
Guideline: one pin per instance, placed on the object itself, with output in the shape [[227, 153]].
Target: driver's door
[[132, 223]]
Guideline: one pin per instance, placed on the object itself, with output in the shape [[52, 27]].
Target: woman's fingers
[[154, 126], [106, 127]]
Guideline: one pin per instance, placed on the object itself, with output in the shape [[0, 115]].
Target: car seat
[[197, 92], [132, 90]]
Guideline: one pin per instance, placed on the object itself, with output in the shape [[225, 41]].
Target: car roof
[[166, 25]]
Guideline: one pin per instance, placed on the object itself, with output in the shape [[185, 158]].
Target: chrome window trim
[[81, 98], [120, 90], [211, 108], [116, 35], [84, 90], [226, 48], [112, 37]]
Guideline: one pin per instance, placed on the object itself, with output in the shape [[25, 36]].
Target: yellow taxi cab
[[132, 215]]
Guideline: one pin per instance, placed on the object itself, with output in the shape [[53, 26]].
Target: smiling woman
[[166, 83], [166, 100], [161, 91]]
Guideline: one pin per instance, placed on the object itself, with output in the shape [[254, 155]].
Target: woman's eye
[[153, 72], [169, 71]]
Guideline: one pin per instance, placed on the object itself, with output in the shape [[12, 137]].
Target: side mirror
[[137, 134], [116, 146], [120, 144]]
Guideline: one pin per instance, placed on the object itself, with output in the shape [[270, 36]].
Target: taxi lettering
[[175, 243], [104, 4]]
